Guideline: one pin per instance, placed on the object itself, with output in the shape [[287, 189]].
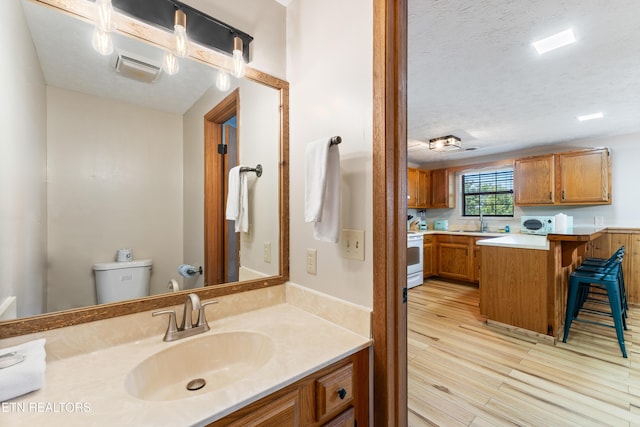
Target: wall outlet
[[312, 261], [352, 244], [598, 221], [267, 252]]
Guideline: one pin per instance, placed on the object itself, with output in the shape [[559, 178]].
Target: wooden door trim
[[214, 198], [389, 212]]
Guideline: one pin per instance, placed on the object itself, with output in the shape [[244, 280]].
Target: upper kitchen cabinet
[[581, 177], [419, 188], [442, 189], [584, 177], [534, 180]]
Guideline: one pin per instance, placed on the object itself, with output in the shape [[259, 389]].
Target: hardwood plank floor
[[465, 373]]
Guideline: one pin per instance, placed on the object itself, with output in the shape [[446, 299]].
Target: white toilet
[[119, 281]]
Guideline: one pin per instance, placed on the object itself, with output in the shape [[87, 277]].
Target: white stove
[[414, 259]]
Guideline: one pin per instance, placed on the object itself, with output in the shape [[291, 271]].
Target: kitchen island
[[523, 278]]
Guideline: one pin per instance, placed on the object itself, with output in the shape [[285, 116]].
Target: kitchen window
[[490, 191]]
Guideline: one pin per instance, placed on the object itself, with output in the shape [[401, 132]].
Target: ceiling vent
[[136, 68]]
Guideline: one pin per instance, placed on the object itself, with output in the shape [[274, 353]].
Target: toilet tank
[[119, 281]]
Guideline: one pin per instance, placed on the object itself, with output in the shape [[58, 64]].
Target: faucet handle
[[173, 325], [202, 318]]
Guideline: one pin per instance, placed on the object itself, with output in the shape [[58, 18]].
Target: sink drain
[[196, 384]]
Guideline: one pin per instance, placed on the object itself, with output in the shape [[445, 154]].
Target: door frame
[[389, 212], [215, 184]]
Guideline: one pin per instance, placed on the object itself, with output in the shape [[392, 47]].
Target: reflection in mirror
[[94, 162]]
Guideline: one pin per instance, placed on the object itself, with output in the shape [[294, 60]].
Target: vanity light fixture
[[104, 24], [223, 82], [445, 143], [555, 41], [170, 63], [590, 117], [180, 33], [239, 66]]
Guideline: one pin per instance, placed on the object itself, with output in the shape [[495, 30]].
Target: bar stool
[[600, 265], [605, 281]]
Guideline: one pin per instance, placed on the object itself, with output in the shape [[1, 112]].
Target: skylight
[[555, 41], [590, 117]]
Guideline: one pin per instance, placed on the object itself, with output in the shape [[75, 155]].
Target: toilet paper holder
[[189, 271]]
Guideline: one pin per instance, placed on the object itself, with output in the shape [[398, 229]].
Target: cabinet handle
[[342, 393], [562, 194], [550, 195]]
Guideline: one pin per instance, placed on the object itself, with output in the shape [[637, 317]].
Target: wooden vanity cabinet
[[418, 188], [534, 180], [337, 395], [584, 177]]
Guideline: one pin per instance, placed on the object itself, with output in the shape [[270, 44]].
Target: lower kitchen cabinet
[[428, 255], [455, 257], [335, 396]]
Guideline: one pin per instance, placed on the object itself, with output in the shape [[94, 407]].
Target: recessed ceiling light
[[555, 41], [590, 117]]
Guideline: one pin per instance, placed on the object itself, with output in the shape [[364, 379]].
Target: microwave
[[541, 225]]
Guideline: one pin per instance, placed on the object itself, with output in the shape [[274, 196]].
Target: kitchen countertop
[[578, 234], [89, 388], [518, 241], [460, 233]]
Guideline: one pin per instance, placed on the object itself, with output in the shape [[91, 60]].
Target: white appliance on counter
[[541, 225], [414, 259]]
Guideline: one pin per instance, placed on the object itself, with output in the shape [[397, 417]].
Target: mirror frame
[[160, 38]]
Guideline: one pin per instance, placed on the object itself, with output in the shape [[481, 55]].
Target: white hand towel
[[238, 200], [27, 375], [322, 189]]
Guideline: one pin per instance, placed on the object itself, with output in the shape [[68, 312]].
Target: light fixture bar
[[590, 117], [555, 41]]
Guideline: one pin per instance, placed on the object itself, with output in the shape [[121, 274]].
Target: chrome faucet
[[483, 225], [187, 328]]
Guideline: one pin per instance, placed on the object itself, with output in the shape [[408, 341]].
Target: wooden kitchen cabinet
[[442, 189], [418, 188], [584, 177], [428, 255], [337, 395], [534, 180], [455, 257], [476, 259]]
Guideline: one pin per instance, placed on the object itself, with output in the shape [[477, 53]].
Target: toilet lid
[[118, 265]]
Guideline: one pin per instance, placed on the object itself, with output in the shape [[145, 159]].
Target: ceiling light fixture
[[180, 33], [445, 143], [239, 66], [590, 117], [555, 41]]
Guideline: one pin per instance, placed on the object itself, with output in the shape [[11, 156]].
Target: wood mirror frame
[[161, 38]]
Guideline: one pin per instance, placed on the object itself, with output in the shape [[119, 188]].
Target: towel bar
[[335, 140], [257, 170]]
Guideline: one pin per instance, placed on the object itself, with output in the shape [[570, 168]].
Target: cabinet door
[[455, 259], [280, 413], [412, 187], [442, 189], [584, 177], [424, 189], [427, 264], [476, 260], [534, 181]]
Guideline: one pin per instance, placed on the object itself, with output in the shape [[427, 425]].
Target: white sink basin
[[220, 360]]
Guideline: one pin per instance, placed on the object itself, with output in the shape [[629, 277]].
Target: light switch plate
[[312, 261], [352, 244], [598, 221], [267, 252]]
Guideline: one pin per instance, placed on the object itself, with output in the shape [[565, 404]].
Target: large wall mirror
[[101, 162]]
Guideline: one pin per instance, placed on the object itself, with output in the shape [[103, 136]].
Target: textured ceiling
[[473, 72]]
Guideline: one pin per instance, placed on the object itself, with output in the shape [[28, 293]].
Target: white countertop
[[89, 388], [458, 233], [518, 241]]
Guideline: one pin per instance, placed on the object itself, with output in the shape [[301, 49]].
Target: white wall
[[330, 72], [22, 166], [625, 152], [114, 181], [259, 133]]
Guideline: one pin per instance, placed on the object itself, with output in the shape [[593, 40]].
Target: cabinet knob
[[342, 393]]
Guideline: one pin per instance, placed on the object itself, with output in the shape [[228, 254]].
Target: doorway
[[222, 243]]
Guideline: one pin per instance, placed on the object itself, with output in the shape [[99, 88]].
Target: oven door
[[414, 261]]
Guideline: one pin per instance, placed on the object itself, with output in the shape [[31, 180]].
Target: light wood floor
[[464, 373]]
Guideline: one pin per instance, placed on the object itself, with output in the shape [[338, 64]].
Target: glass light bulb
[[170, 63], [239, 67], [223, 82], [182, 43], [104, 15], [101, 42]]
